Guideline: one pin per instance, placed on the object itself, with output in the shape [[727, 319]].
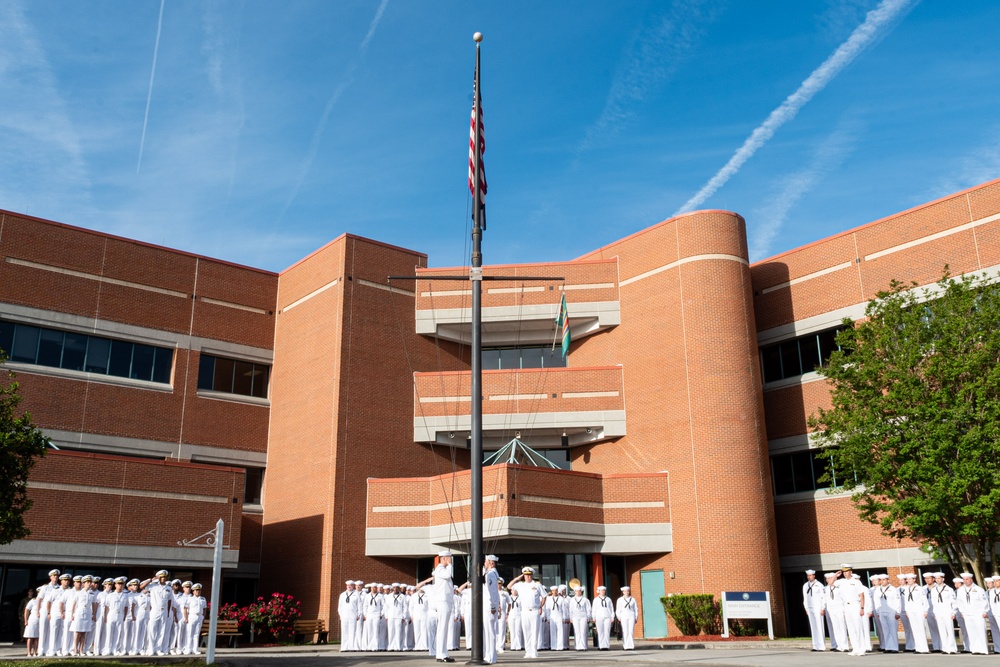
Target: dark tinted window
[[261, 375], [142, 362], [827, 343], [771, 363], [791, 358], [798, 472], [253, 485], [223, 375], [98, 352], [74, 351], [802, 471], [233, 376], [243, 378], [809, 352], [781, 472], [206, 372], [121, 359], [162, 362], [50, 348], [25, 346], [6, 336]]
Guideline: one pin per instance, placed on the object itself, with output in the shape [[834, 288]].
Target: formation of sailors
[[83, 615], [429, 616], [927, 612]]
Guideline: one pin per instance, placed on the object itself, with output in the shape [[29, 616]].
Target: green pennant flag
[[563, 323]]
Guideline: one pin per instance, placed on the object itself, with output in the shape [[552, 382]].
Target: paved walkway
[[709, 654]]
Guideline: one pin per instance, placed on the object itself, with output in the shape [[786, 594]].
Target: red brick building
[[323, 413]]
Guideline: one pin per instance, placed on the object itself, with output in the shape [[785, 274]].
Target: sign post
[[746, 605]]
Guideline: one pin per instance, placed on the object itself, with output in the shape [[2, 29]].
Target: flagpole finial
[[477, 37]]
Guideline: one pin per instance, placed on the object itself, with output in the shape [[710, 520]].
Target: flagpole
[[476, 277]]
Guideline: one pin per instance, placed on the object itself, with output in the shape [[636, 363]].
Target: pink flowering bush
[[273, 616]]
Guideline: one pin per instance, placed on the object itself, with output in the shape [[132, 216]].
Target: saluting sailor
[[530, 596], [812, 602], [853, 594], [160, 607], [443, 597]]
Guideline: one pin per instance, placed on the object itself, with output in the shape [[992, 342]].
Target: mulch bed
[[708, 638]]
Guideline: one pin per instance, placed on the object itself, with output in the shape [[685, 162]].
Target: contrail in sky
[[149, 95], [330, 103], [875, 22]]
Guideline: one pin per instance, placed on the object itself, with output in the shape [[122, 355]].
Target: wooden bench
[[303, 628], [223, 628]]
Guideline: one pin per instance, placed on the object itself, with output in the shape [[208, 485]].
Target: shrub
[[694, 614], [275, 615]]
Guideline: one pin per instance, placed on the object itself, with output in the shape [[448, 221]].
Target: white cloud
[[876, 22]]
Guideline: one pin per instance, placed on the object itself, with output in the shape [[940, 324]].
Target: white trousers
[[837, 626], [995, 632], [68, 636], [193, 635], [419, 633], [395, 634], [445, 625], [158, 635], [489, 637], [348, 624], [556, 632], [501, 625], [816, 629], [916, 636], [628, 629], [962, 630], [946, 630], [543, 633], [371, 633], [139, 636], [516, 632], [53, 637], [112, 638], [529, 632], [975, 630], [580, 633], [857, 628], [603, 632], [889, 635], [430, 636], [932, 628]]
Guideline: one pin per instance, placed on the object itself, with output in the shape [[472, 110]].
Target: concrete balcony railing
[[519, 312], [549, 407], [525, 509]]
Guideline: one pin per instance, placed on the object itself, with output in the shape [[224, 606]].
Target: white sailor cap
[[626, 588], [349, 582], [810, 571], [196, 587], [411, 587], [175, 582], [133, 582], [396, 584], [527, 570], [910, 575], [966, 574], [884, 576], [578, 589], [122, 580], [845, 566], [65, 577], [85, 578], [77, 579], [553, 588], [901, 576], [601, 588], [989, 578], [443, 554], [830, 575], [358, 582], [957, 580], [562, 587], [162, 573], [500, 579], [186, 584], [492, 558], [928, 574], [54, 573], [107, 582]]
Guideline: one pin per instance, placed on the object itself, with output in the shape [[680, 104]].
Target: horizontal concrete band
[[681, 262], [134, 493], [131, 332], [902, 557], [612, 421], [85, 553], [111, 444], [519, 397], [516, 290], [582, 537]]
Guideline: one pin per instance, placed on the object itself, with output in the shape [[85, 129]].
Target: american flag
[[476, 157]]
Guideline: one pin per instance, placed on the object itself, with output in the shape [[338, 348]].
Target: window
[[800, 471], [232, 376], [503, 358], [791, 358], [81, 352], [252, 486]]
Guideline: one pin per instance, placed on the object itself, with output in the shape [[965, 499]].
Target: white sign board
[[746, 604]]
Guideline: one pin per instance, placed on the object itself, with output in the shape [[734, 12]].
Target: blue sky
[[270, 128]]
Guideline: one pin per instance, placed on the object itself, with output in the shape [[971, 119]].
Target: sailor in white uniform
[[913, 599], [419, 608], [943, 605], [502, 616], [141, 642], [971, 601], [812, 602], [396, 615], [491, 608], [579, 613], [627, 612], [56, 613], [44, 601], [833, 611], [853, 594], [514, 623], [530, 597], [993, 598], [194, 616], [161, 600], [347, 607], [887, 607], [442, 603], [602, 611], [932, 627]]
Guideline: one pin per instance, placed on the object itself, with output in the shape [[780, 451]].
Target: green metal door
[[654, 619]]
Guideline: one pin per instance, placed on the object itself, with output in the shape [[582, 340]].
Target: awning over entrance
[[525, 509]]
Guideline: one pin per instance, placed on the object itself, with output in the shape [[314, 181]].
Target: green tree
[[916, 416], [20, 445]]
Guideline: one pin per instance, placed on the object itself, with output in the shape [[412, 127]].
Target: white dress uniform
[[418, 615], [579, 613], [627, 611], [932, 626], [443, 601], [514, 623], [557, 615], [531, 596], [491, 609], [128, 625], [972, 603], [141, 640], [812, 602], [913, 601], [196, 605], [603, 611], [113, 624], [77, 610], [408, 637], [372, 612], [957, 584], [161, 600], [179, 639], [836, 624], [887, 606], [67, 632], [852, 594], [455, 632], [943, 604], [502, 619], [31, 627], [395, 614], [98, 629], [44, 597], [870, 617], [54, 635], [348, 606], [545, 625]]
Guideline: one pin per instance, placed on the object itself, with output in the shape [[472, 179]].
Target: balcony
[[549, 407], [525, 510], [520, 312]]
